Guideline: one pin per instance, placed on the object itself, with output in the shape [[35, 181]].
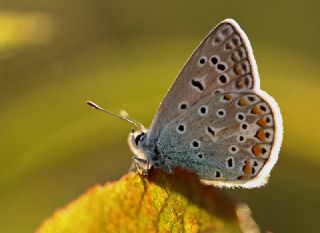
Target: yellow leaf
[[157, 203]]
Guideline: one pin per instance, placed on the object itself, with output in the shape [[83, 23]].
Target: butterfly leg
[[142, 165]]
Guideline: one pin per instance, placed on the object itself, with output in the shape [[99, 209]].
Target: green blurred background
[[54, 55]]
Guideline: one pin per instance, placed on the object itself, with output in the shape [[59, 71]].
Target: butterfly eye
[[139, 138]]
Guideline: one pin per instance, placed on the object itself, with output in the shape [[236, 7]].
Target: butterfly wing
[[229, 139], [221, 75], [222, 62]]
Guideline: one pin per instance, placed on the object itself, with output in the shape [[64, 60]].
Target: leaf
[[157, 203]]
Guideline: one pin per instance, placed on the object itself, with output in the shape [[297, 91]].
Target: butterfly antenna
[[135, 124]]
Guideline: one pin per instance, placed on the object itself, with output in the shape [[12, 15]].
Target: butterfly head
[[137, 142]]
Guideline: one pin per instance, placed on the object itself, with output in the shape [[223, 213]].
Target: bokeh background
[[54, 55]]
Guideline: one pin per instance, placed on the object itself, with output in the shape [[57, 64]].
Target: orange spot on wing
[[238, 69], [257, 150], [243, 102], [227, 97], [240, 84], [247, 169], [262, 122], [261, 135], [243, 178], [256, 110]]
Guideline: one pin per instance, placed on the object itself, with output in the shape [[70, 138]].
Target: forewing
[[223, 62]]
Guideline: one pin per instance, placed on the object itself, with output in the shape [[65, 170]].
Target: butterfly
[[215, 121]]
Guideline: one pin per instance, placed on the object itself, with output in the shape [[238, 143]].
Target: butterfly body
[[215, 120]]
